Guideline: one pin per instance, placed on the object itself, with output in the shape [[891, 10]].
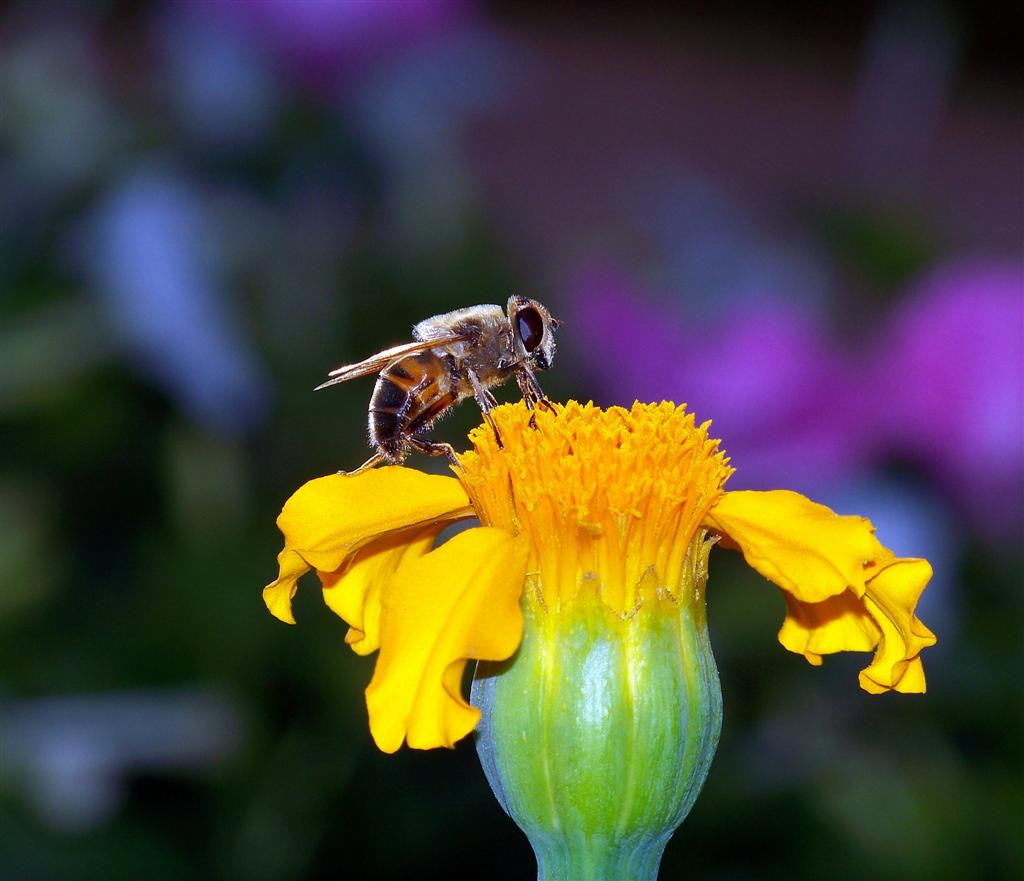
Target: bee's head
[[533, 331]]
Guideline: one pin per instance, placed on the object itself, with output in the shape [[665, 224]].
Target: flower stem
[[583, 860]]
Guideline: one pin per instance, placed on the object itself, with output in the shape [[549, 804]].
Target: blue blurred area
[[808, 224]]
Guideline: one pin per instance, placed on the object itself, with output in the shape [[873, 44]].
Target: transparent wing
[[376, 363]]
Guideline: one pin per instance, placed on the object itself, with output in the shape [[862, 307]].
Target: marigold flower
[[582, 595], [610, 505]]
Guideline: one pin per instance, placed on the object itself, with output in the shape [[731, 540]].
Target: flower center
[[609, 500]]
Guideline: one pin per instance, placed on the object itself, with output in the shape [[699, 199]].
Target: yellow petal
[[458, 602], [890, 599], [278, 594], [838, 624], [844, 591], [883, 619], [913, 681], [805, 548], [330, 518], [354, 591]]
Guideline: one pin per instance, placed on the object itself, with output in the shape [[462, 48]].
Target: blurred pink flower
[[319, 39], [941, 384], [779, 389], [949, 372]]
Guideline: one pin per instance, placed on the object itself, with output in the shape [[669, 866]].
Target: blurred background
[[805, 221]]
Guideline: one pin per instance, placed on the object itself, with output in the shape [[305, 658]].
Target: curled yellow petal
[[458, 602], [805, 548], [330, 518], [353, 593], [279, 593], [883, 619], [844, 590], [838, 624], [890, 599]]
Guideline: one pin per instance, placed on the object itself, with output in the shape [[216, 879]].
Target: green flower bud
[[596, 737]]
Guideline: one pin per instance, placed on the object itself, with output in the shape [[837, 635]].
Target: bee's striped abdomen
[[409, 395]]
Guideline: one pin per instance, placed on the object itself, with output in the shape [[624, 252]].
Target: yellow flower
[[619, 506]]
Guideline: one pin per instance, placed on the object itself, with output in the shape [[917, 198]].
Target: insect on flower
[[453, 356]]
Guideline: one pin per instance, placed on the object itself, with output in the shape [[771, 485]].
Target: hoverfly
[[453, 356]]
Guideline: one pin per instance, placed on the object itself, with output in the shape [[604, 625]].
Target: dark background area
[[804, 220]]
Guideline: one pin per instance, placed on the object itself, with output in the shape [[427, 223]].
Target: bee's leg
[[531, 388], [494, 428], [527, 392], [542, 399], [435, 448], [525, 389], [373, 461], [533, 394], [486, 401]]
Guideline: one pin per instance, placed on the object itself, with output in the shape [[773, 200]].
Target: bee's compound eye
[[530, 326]]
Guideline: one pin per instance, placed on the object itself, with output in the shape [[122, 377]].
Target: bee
[[453, 356]]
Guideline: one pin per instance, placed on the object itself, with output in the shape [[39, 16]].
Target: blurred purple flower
[[698, 236], [942, 384], [910, 59], [950, 381], [318, 40], [222, 87], [151, 267], [413, 114], [779, 392]]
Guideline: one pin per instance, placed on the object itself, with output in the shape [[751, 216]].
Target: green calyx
[[596, 737]]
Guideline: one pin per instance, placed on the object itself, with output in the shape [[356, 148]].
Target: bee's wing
[[376, 363]]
